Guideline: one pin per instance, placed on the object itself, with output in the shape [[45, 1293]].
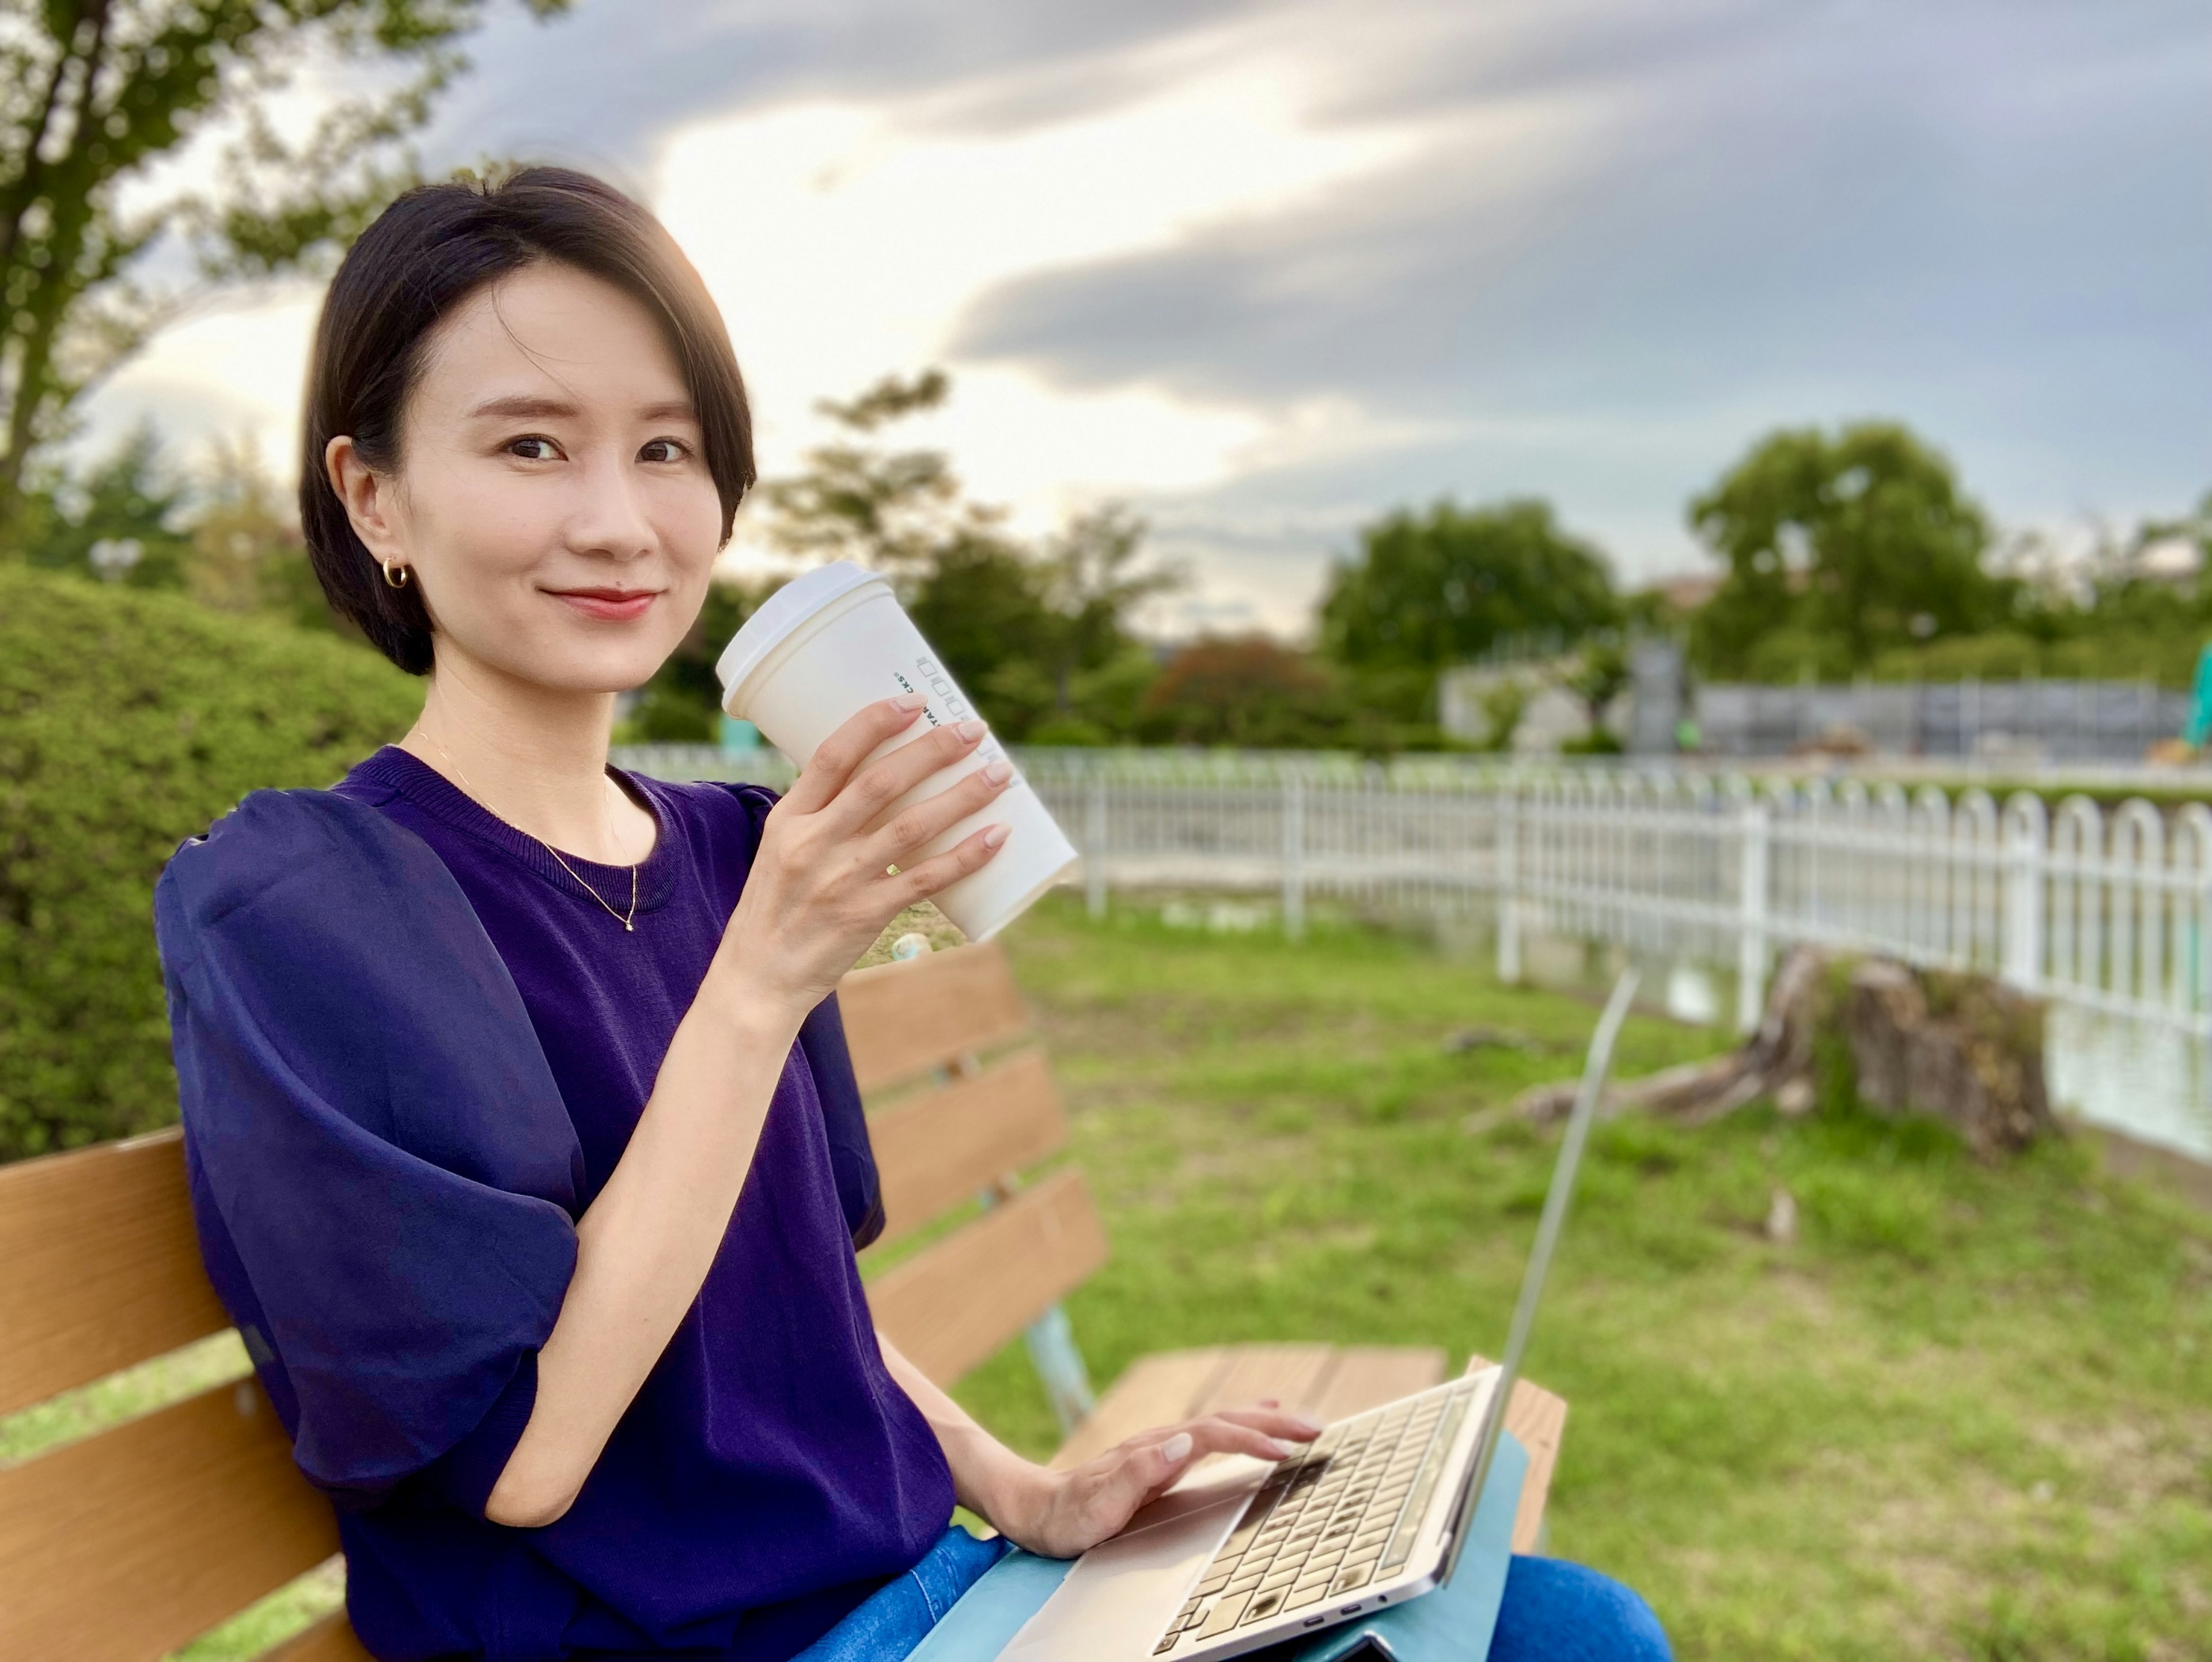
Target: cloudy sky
[[1267, 270]]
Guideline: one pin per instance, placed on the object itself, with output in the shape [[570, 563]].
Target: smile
[[617, 606]]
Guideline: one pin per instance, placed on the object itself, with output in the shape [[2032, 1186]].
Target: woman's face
[[552, 498]]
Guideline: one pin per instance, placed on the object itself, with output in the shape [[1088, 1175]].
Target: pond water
[[2149, 1081]]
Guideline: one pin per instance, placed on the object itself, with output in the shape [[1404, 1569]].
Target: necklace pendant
[[628, 927]]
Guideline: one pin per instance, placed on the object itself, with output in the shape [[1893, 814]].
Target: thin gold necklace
[[626, 919]]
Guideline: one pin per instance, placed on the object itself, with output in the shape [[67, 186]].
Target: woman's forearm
[[986, 1473], [644, 1246]]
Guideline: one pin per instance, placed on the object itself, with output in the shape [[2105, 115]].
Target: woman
[[524, 1145]]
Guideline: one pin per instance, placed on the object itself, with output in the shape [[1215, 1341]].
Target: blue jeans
[[1553, 1612]]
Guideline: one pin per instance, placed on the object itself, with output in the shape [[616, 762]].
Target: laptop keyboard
[[1329, 1521]]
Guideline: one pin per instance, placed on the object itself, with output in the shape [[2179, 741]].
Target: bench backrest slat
[[129, 1542], [948, 1145], [903, 1018], [103, 1269], [953, 1305]]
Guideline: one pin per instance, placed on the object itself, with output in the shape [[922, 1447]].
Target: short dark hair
[[420, 258]]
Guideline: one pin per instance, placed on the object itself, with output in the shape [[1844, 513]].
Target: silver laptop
[[1375, 1512]]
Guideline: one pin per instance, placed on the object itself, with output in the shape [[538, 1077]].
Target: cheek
[[478, 527], [689, 519]]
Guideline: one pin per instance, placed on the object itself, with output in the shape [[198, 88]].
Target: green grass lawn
[[1967, 1414]]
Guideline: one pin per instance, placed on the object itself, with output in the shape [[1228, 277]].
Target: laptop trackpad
[[1120, 1593]]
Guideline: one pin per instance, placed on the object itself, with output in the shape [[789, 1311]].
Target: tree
[[1863, 541], [1031, 635], [891, 510], [981, 605], [1428, 591], [1244, 690], [97, 95], [1599, 677], [127, 503]]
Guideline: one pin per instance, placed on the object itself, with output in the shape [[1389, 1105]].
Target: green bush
[[128, 719]]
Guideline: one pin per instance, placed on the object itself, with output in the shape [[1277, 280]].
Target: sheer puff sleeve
[[383, 1173]]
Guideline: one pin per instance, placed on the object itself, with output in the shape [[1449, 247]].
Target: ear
[[367, 497]]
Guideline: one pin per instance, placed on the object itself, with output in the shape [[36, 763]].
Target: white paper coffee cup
[[829, 643]]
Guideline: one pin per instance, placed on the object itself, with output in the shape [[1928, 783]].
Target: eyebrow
[[525, 407]]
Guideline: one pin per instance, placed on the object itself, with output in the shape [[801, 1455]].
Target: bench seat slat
[[938, 1149], [1367, 1376], [903, 1018], [103, 1267], [953, 1305], [129, 1542]]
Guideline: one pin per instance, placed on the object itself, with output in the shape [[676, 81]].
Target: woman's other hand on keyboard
[[1061, 1514]]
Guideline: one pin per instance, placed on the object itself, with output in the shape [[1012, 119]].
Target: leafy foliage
[[95, 95], [128, 495], [128, 720], [1863, 541], [1250, 691], [683, 703], [1436, 589], [1031, 633]]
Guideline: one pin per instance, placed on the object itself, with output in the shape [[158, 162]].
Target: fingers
[[940, 871], [837, 757], [868, 793], [1293, 1427], [917, 825], [1260, 1432]]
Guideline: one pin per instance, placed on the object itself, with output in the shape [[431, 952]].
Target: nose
[[607, 519]]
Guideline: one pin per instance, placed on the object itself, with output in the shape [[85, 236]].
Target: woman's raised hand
[[821, 888], [1060, 1514]]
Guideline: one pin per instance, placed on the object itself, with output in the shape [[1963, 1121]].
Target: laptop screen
[[1596, 1066]]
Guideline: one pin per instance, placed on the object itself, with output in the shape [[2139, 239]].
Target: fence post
[[2022, 956], [1094, 846], [1751, 939], [1294, 842], [1509, 883]]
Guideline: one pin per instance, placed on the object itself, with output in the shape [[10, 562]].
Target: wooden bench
[[126, 1544]]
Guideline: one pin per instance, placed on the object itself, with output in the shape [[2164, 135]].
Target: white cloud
[[844, 241]]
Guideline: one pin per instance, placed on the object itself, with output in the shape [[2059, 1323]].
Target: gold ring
[[891, 870]]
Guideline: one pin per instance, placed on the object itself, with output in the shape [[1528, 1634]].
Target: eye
[[534, 449], [663, 450]]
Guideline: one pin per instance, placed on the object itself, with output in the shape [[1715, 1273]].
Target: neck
[[535, 756]]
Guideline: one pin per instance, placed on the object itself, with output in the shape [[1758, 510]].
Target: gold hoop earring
[[390, 580]]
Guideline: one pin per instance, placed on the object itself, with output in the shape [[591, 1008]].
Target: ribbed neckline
[[438, 796]]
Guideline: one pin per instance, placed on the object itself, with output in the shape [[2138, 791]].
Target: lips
[[614, 606]]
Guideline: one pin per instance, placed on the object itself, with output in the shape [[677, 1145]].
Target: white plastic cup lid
[[779, 615]]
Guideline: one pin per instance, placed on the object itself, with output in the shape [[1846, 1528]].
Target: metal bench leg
[[1059, 1365]]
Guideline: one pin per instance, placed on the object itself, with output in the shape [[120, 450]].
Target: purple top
[[411, 1050]]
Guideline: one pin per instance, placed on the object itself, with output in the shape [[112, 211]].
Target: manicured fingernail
[[998, 772], [971, 731], [996, 835], [908, 701], [1176, 1448], [1306, 1428]]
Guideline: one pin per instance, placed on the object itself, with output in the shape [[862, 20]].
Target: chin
[[598, 666]]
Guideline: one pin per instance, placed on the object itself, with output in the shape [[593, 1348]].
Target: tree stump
[[1963, 1048]]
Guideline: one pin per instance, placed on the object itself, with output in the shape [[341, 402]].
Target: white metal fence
[[2109, 910]]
